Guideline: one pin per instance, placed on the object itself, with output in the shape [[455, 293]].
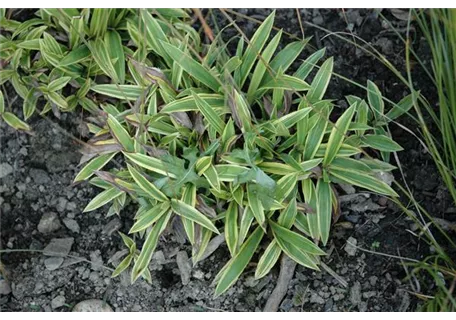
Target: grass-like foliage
[[204, 142]]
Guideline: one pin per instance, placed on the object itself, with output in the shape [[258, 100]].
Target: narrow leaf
[[103, 198], [148, 187], [142, 263], [324, 209], [381, 142], [268, 259], [337, 135], [95, 164], [150, 217], [233, 269], [187, 211], [15, 122], [120, 134], [363, 180], [231, 227], [209, 114], [375, 99]]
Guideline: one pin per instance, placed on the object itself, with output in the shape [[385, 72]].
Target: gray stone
[[136, 308], [71, 206], [369, 294], [185, 268], [198, 274], [71, 224], [39, 176], [350, 248], [5, 169], [354, 17], [286, 305], [112, 226], [329, 305], [158, 257], [317, 19], [386, 45], [355, 197], [315, 298], [251, 282], [94, 277], [53, 263], [61, 204], [59, 247], [355, 293], [362, 307], [57, 302], [97, 260], [354, 218], [349, 189], [373, 280], [92, 305], [405, 303], [5, 287], [386, 177], [49, 223], [364, 206]]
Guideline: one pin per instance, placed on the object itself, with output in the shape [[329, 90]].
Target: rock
[[39, 176], [97, 260], [445, 224], [94, 277], [59, 247], [53, 263], [92, 305], [350, 248], [373, 280], [386, 177], [112, 226], [354, 17], [136, 308], [317, 19], [71, 206], [315, 298], [405, 303], [184, 266], [348, 189], [5, 169], [354, 218], [364, 206], [5, 287], [61, 204], [386, 45], [369, 294], [329, 305], [159, 257], [382, 201], [198, 274], [362, 307], [355, 293], [71, 224], [286, 305], [213, 245], [251, 282], [49, 223], [355, 197], [57, 302]]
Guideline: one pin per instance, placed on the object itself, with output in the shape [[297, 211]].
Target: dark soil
[[44, 165]]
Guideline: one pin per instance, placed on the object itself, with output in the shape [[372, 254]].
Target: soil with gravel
[[39, 204]]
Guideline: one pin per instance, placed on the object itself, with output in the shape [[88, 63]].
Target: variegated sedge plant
[[60, 54], [238, 145]]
